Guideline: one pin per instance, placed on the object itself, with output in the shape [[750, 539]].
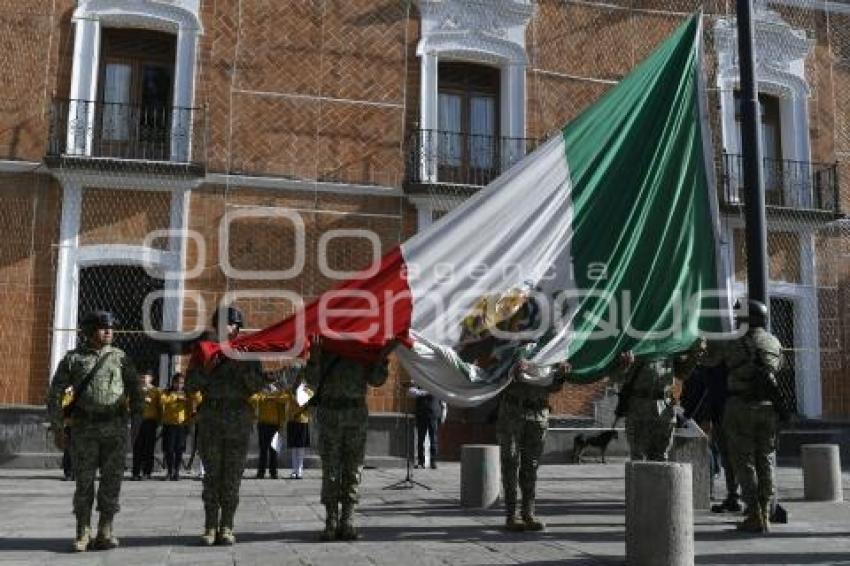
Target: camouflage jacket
[[524, 401], [742, 356], [226, 390], [653, 379], [73, 369], [339, 382]]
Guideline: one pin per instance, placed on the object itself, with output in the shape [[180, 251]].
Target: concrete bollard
[[692, 447], [480, 475], [659, 514], [821, 472]]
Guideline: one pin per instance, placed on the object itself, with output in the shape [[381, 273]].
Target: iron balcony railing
[[81, 129], [459, 158], [800, 185]]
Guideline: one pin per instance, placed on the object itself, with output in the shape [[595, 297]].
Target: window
[[136, 78], [468, 126], [770, 131]]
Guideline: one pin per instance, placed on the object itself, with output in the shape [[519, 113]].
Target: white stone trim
[[781, 53], [65, 300], [150, 14], [10, 166], [424, 216], [283, 183], [124, 180], [72, 258], [481, 31], [179, 17]]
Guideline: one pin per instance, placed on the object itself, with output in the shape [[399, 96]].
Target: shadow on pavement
[[775, 558]]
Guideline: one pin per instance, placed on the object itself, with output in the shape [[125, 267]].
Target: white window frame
[[179, 17], [72, 258], [780, 72], [491, 33]]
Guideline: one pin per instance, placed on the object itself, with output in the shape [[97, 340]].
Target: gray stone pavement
[[278, 521]]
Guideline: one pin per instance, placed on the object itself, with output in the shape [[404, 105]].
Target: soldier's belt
[[81, 415], [342, 404]]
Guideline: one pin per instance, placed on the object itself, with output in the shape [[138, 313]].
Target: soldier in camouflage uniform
[[750, 418], [224, 419], [650, 417], [99, 423], [522, 426], [340, 384]]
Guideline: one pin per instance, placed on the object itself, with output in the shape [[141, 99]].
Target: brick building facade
[[123, 124]]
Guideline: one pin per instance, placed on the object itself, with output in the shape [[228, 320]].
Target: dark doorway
[[122, 289], [782, 326]]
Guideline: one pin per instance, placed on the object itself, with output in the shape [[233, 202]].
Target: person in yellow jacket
[[298, 426], [176, 409], [270, 407], [144, 442]]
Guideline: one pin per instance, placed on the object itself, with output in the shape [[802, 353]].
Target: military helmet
[[95, 320], [234, 316], [756, 313]]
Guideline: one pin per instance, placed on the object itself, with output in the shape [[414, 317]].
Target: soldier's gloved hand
[[700, 345]]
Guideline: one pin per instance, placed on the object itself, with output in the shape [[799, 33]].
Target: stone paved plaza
[[278, 521]]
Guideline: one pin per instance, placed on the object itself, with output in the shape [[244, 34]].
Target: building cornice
[[170, 16]]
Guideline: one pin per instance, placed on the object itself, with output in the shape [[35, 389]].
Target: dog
[[600, 441]]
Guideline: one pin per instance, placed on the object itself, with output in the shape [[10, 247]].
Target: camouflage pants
[[751, 437], [223, 457], [520, 447], [649, 429], [90, 450], [342, 446]]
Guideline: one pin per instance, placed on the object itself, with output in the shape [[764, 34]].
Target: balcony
[[801, 186], [87, 134], [460, 160]]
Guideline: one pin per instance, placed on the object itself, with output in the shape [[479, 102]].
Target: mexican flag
[[602, 240]]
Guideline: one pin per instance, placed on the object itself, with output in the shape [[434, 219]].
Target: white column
[[83, 92], [65, 299], [425, 216], [429, 120], [184, 95], [806, 333], [513, 113], [176, 257]]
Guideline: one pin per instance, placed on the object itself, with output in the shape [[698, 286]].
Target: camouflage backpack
[[105, 392]]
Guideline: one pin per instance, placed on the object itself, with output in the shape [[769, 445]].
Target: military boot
[[764, 507], [752, 523], [225, 528], [529, 520], [331, 523], [83, 538], [226, 536], [512, 520], [105, 540], [346, 529], [210, 526]]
